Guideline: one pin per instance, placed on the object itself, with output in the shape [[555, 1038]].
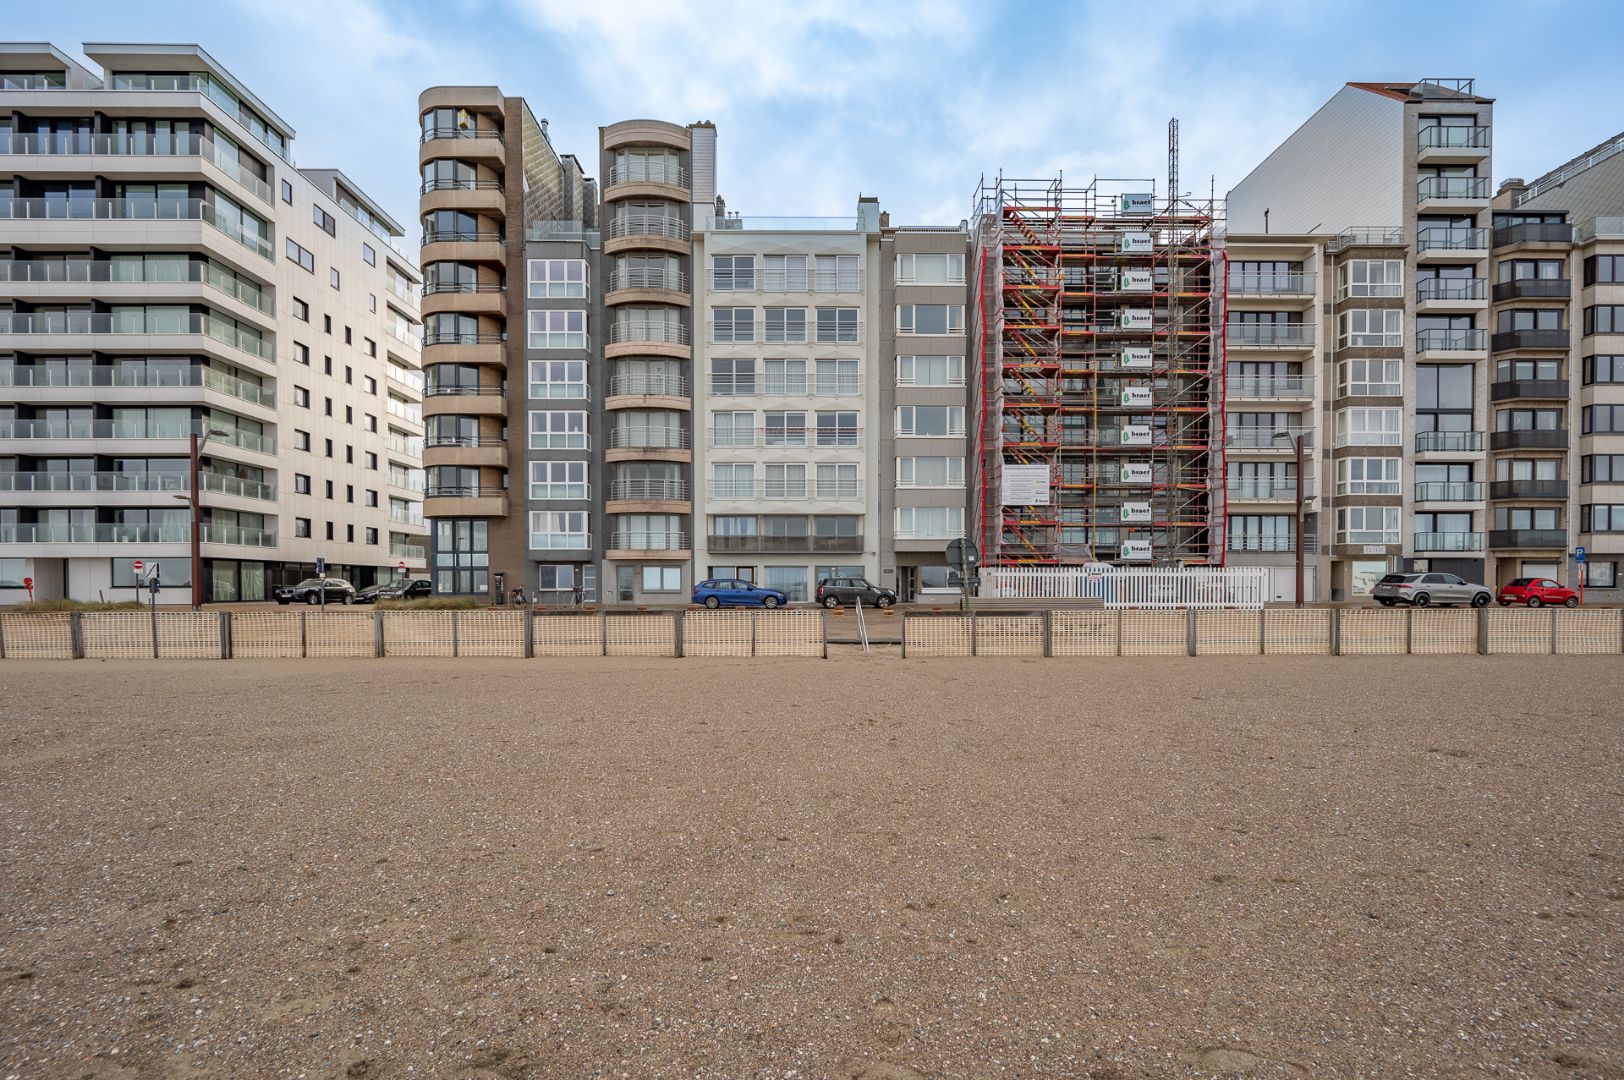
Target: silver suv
[[1423, 590]]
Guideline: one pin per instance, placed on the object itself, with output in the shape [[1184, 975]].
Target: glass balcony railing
[[407, 551], [1550, 539], [1439, 238], [47, 482], [1450, 288], [1448, 541], [1436, 340], [1270, 386], [77, 322], [138, 376], [1269, 335], [1441, 491], [162, 272], [53, 209], [63, 533], [1528, 489], [785, 544], [1453, 137], [134, 144], [1453, 187], [1284, 283], [1449, 441]]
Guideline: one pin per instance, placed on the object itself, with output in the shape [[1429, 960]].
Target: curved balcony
[[464, 401], [631, 232], [669, 339], [646, 133], [464, 298], [1535, 539], [469, 450], [647, 544], [1528, 489], [481, 500], [648, 444], [637, 285], [479, 145], [656, 178], [648, 496], [473, 196], [648, 392], [1529, 439], [481, 246], [463, 349]]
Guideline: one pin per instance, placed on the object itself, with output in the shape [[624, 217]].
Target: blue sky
[[911, 101]]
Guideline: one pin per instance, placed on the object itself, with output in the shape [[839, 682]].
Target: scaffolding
[[1099, 374]]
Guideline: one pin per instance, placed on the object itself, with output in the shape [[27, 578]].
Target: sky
[[913, 102]]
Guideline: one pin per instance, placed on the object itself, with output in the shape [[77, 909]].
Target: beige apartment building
[[166, 270]]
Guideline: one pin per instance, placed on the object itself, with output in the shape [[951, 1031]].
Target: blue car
[[731, 592]]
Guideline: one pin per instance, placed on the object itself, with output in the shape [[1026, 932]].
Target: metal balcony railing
[[1249, 438], [1366, 236], [788, 544], [463, 491], [1439, 238], [670, 333], [649, 385], [788, 490], [648, 439], [1446, 288], [1442, 491], [1452, 137], [1436, 340], [451, 337], [441, 288], [653, 171], [1455, 441], [471, 442], [1261, 543], [648, 540], [639, 277], [1528, 538], [663, 490], [453, 184], [1270, 386], [1447, 541], [1284, 283], [430, 134], [1269, 335], [1528, 489], [454, 390], [791, 437], [651, 225], [463, 236], [1256, 490], [1453, 187]]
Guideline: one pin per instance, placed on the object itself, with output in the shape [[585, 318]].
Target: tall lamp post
[[195, 497], [1296, 442]]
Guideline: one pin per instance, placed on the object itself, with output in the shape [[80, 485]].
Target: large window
[[1528, 420], [1372, 378], [733, 480], [732, 378], [930, 371], [930, 269], [733, 429], [837, 428], [1368, 476], [930, 472], [1603, 270], [1372, 277], [1367, 525], [835, 481], [557, 277], [558, 480], [930, 522], [837, 378], [930, 318], [790, 580], [461, 556], [733, 273], [785, 481], [658, 579], [1527, 517], [1443, 397], [1366, 328], [558, 431], [733, 325], [557, 329], [785, 326], [1602, 419], [1601, 517], [784, 428], [930, 421], [1367, 427], [838, 325], [1601, 469], [785, 273], [1603, 369], [1604, 319], [558, 379], [785, 378], [1261, 532], [551, 529], [837, 273]]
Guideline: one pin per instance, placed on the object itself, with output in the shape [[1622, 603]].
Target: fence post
[[1336, 631], [823, 626], [1483, 631], [76, 634], [1409, 631], [377, 633], [676, 637], [529, 633], [154, 609], [1048, 631], [754, 615], [304, 637], [1554, 610], [603, 633], [455, 650], [1262, 631], [2, 637], [1189, 631], [973, 634], [1119, 631], [904, 636], [225, 635]]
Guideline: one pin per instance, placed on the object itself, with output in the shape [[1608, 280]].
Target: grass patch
[[35, 607], [432, 603]]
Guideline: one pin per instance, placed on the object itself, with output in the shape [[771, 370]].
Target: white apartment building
[[166, 270], [787, 454]]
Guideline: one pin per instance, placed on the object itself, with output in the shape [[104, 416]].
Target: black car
[[309, 591], [401, 589], [832, 592]]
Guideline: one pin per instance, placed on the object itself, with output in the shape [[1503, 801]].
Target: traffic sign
[[1578, 554], [321, 566], [138, 568], [402, 566], [962, 553]]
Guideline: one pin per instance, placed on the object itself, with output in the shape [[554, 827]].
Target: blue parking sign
[[1578, 554]]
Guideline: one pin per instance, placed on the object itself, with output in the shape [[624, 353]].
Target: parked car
[[309, 591], [399, 589], [834, 591], [1537, 592], [731, 592], [1423, 590]]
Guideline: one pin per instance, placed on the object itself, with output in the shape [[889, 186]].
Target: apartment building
[[167, 271], [1416, 331], [921, 410], [789, 454]]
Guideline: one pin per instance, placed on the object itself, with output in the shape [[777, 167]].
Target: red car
[[1537, 592]]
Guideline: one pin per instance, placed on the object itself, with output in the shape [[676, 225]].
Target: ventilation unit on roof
[[1136, 358]]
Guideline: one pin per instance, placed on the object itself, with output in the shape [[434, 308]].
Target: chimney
[[885, 219]]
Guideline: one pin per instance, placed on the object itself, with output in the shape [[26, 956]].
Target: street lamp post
[[1297, 538], [195, 497]]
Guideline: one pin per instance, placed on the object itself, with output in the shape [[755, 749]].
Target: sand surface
[[1267, 867]]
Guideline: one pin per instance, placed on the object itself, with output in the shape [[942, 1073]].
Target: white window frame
[[1353, 426], [837, 377], [840, 333], [1390, 385], [555, 480], [788, 483], [792, 427], [908, 471], [908, 370], [727, 385], [909, 527], [554, 429], [728, 279], [1382, 277], [556, 328], [563, 530], [543, 388], [738, 483], [1388, 481], [788, 383], [1354, 524], [837, 480], [733, 427], [733, 325], [550, 278], [784, 333], [907, 318], [907, 421], [908, 269], [1370, 328], [786, 273]]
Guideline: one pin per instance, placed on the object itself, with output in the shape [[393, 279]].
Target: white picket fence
[[1131, 586]]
